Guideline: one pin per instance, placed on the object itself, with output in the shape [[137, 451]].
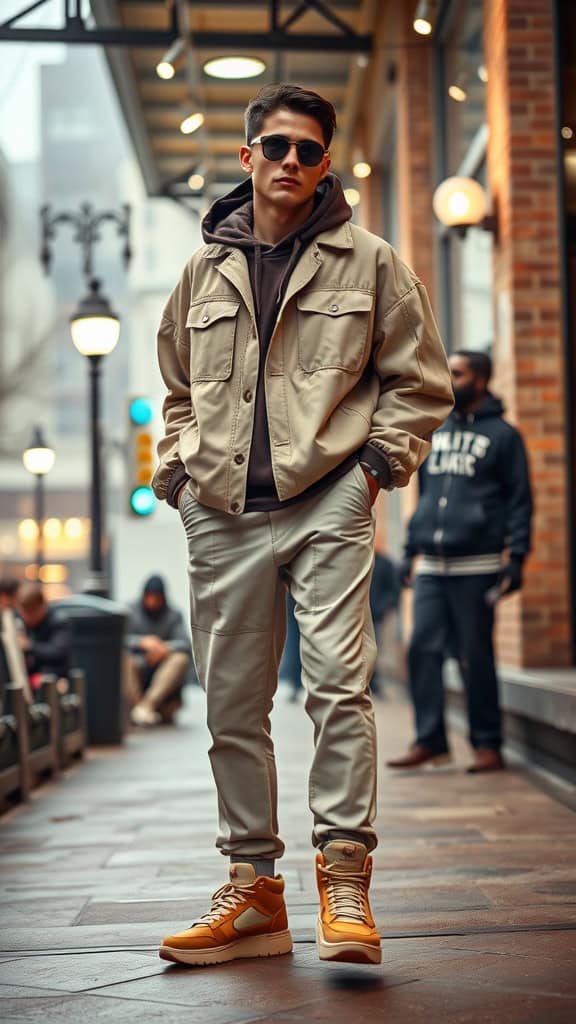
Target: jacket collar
[[335, 238]]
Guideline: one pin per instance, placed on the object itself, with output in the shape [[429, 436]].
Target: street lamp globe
[[38, 458], [94, 327]]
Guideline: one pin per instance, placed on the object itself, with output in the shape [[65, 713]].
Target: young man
[[304, 371], [46, 641], [474, 505]]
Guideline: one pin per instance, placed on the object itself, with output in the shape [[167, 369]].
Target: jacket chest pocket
[[332, 329], [212, 326]]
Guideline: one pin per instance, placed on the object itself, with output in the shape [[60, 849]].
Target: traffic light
[[140, 457]]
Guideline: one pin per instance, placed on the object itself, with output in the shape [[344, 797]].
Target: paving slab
[[474, 892]]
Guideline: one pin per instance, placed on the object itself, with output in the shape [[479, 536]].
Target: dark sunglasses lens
[[275, 147], [310, 153]]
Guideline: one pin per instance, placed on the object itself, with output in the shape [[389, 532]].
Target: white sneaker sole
[[241, 949], [346, 952]]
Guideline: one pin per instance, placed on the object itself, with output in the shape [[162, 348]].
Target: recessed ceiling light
[[234, 67]]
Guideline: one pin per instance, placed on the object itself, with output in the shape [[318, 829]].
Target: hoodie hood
[[230, 220]]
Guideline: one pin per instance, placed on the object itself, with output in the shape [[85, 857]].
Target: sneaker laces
[[225, 899], [346, 894]]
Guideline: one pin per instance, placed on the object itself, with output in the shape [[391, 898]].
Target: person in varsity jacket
[[471, 531]]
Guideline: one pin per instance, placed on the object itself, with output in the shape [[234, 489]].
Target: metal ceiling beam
[[236, 41], [75, 31]]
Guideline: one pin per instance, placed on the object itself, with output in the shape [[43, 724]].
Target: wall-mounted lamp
[[461, 203]]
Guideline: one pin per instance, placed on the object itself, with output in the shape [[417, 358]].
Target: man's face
[[462, 373], [285, 183], [153, 602], [468, 386]]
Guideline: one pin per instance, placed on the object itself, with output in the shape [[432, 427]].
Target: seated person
[[44, 640], [8, 634], [160, 654]]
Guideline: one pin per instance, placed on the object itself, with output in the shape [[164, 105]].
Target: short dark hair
[[8, 585], [292, 97], [479, 362], [30, 596]]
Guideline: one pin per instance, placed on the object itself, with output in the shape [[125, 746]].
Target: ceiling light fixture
[[483, 73], [457, 91], [234, 67], [362, 169], [196, 182], [422, 23], [166, 68], [352, 196], [192, 122], [567, 132]]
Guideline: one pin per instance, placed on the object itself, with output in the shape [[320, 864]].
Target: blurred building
[[491, 94], [488, 93]]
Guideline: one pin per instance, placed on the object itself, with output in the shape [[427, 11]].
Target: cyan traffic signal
[[140, 456]]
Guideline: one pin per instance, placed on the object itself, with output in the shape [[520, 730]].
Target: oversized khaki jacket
[[355, 357]]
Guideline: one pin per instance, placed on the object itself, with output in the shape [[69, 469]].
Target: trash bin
[[97, 628]]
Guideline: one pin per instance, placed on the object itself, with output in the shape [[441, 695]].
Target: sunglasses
[[275, 147]]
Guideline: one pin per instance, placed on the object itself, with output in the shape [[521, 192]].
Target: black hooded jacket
[[475, 494]]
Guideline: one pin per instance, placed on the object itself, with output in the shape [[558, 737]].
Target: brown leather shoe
[[417, 756], [486, 759]]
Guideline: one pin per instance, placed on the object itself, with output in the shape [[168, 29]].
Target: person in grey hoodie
[[303, 372], [159, 656]]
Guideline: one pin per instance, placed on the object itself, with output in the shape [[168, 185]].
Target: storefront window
[[465, 263]]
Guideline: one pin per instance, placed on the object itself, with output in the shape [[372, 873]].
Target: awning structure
[[324, 45]]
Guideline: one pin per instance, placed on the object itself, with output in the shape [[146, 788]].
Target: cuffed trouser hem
[[369, 838]]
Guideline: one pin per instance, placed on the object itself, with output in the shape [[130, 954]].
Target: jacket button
[[334, 308], [247, 396], [239, 459], [205, 318], [443, 501], [235, 506]]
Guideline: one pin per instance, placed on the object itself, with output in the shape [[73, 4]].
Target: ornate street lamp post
[[95, 330], [38, 459]]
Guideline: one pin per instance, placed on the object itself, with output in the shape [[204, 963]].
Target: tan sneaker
[[345, 928], [247, 919]]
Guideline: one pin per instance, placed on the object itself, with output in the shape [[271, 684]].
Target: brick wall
[[530, 370], [415, 91]]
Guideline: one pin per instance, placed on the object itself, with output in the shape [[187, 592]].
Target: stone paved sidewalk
[[474, 892]]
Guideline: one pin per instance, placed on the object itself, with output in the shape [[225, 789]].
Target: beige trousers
[[239, 566], [167, 679]]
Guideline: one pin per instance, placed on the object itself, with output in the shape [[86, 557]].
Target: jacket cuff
[[177, 480], [378, 463]]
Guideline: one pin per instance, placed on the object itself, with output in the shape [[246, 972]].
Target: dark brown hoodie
[[230, 221]]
